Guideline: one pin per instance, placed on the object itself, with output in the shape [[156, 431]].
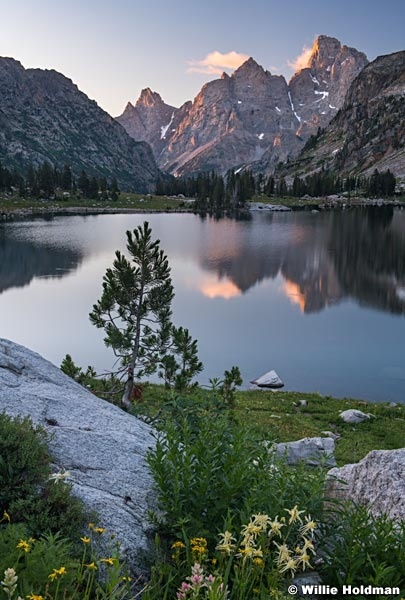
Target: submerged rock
[[103, 447]]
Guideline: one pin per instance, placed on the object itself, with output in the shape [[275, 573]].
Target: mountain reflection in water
[[320, 297]]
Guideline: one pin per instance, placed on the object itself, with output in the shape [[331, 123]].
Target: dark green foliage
[[212, 192], [361, 549], [46, 553], [26, 492], [180, 364], [24, 459], [223, 473]]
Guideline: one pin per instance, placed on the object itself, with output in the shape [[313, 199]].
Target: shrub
[[26, 492], [360, 548]]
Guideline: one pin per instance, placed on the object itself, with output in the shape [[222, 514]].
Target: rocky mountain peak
[[149, 98], [324, 52], [249, 68]]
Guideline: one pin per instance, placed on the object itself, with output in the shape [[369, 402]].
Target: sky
[[112, 50]]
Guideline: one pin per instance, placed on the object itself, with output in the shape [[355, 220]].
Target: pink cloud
[[216, 62], [302, 60]]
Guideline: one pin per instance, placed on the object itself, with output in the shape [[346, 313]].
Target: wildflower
[[258, 561], [261, 521], [107, 561], [99, 530], [91, 526], [6, 516], [23, 545], [304, 560], [85, 539], [308, 545], [294, 514], [125, 578], [284, 553], [57, 573], [290, 565], [177, 544], [9, 582], [225, 544], [251, 529], [56, 477], [275, 526], [34, 597], [91, 565], [198, 542], [309, 526]]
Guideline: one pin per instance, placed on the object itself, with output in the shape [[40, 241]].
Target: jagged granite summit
[[44, 116], [249, 117], [103, 447], [368, 132]]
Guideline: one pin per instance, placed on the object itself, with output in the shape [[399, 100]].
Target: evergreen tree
[[66, 179], [135, 311]]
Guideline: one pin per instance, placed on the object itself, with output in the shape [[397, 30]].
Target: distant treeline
[[46, 181], [214, 192]]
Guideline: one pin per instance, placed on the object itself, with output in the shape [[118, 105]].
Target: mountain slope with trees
[[368, 133], [44, 117]]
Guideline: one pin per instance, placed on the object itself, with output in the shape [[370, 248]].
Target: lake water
[[319, 297]]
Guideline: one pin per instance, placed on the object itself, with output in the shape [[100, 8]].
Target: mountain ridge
[[45, 117], [251, 116]]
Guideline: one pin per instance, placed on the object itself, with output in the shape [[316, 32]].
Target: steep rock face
[[368, 131], [44, 116], [149, 120], [102, 447], [249, 118], [318, 91]]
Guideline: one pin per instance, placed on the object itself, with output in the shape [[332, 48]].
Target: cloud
[[302, 60], [216, 62]]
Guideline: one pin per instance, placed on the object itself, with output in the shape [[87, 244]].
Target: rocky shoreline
[[324, 203]]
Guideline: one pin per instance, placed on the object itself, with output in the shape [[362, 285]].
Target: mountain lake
[[317, 296]]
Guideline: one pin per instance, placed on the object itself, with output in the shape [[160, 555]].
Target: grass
[[126, 201], [280, 417]]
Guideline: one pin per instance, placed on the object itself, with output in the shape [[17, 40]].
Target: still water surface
[[320, 297]]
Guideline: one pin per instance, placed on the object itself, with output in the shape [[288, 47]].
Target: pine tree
[[135, 311]]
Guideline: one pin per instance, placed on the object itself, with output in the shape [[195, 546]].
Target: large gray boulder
[[377, 481], [311, 451], [101, 446]]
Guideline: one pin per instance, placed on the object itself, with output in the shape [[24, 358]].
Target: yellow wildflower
[[99, 530], [57, 573], [304, 560], [199, 541], [275, 526], [91, 565], [258, 562], [261, 520], [250, 529], [308, 545], [290, 565], [35, 597], [23, 545], [6, 516], [91, 526], [177, 544], [125, 578], [309, 526], [294, 514], [284, 553], [85, 539], [108, 561], [225, 542]]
